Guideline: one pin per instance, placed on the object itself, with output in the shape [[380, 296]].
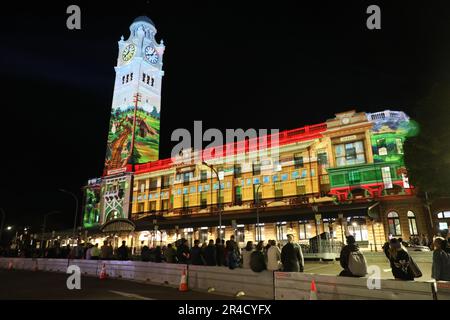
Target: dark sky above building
[[266, 65]]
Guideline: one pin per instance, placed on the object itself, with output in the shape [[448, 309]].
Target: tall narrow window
[[238, 195], [143, 77], [240, 233], [203, 234], [148, 79], [259, 232], [399, 145], [381, 145], [304, 230], [203, 200], [123, 79], [165, 182], [152, 206], [131, 76], [153, 184], [256, 168], [152, 82], [165, 204], [298, 160], [237, 170], [322, 159], [128, 77], [185, 201], [278, 190], [281, 231], [186, 178], [394, 224], [203, 176], [412, 224], [257, 193], [300, 185], [386, 175]]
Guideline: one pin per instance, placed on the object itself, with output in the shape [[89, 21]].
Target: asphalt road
[[19, 284]]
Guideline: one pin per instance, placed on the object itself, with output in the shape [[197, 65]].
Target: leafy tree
[[427, 155]]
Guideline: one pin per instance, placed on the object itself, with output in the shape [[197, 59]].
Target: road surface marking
[[130, 295], [387, 270]]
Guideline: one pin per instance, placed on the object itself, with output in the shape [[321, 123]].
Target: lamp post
[[258, 227], [2, 224], [43, 229], [218, 200], [76, 212]]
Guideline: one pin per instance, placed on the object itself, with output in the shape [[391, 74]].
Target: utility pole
[[218, 198], [258, 227]]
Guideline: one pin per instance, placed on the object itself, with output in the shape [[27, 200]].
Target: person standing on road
[[273, 257], [105, 251], [399, 260], [170, 254], [183, 253], [246, 253], [196, 254], [89, 251], [95, 252], [352, 260], [440, 270], [292, 256], [219, 252], [122, 252], [210, 254]]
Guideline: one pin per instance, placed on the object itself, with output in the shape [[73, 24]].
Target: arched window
[[412, 224], [394, 224]]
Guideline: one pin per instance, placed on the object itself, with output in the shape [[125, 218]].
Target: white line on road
[[130, 295]]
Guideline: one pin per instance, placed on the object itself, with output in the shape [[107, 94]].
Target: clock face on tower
[[128, 52], [150, 54]]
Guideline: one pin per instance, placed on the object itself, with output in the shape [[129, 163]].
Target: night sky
[[270, 65]]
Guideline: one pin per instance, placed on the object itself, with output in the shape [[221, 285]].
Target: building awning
[[266, 215], [118, 225]]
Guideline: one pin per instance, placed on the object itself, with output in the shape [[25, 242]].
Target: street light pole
[[258, 227], [218, 200], [76, 211], [2, 225]]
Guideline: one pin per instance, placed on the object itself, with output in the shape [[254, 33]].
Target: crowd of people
[[257, 257], [402, 265]]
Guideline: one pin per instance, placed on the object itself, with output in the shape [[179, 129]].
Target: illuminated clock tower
[[135, 117]]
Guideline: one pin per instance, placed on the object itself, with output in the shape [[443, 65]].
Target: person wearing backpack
[[352, 260], [440, 270]]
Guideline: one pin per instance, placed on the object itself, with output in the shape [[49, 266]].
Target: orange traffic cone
[[313, 292], [183, 282], [10, 265], [103, 274]]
